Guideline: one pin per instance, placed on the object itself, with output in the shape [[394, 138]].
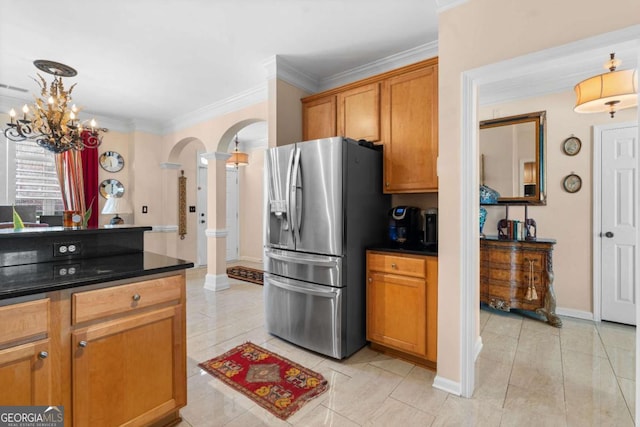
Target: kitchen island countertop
[[29, 279]]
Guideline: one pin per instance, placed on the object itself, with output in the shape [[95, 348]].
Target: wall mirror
[[512, 157], [111, 188], [111, 161]]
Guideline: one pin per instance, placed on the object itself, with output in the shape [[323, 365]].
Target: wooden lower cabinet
[[402, 301], [25, 362], [110, 355], [129, 370], [25, 374], [518, 274]]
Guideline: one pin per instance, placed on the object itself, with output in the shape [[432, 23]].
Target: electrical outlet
[[66, 249]]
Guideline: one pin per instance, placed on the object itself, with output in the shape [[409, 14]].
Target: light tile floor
[[528, 374]]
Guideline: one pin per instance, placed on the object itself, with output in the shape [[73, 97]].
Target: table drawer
[[403, 265], [19, 322], [91, 305]]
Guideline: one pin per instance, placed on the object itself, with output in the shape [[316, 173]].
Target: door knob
[[202, 221], [608, 234]]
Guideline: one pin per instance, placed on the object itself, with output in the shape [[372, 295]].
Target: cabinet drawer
[[91, 305], [406, 266], [19, 322]]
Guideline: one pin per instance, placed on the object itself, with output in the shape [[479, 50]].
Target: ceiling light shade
[[116, 205], [52, 121], [608, 92], [238, 158]]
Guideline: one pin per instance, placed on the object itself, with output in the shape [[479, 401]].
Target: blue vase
[[483, 219], [488, 196]]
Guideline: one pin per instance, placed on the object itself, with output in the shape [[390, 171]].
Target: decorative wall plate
[[111, 161], [571, 146], [572, 183], [111, 188]]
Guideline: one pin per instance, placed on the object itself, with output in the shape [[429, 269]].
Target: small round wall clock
[[572, 183], [571, 146]]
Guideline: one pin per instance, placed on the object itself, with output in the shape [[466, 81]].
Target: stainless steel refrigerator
[[324, 208]]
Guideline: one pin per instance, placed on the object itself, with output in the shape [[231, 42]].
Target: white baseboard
[[579, 314], [218, 282], [251, 259], [449, 386], [478, 348]]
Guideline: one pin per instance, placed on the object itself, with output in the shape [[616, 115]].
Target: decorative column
[[216, 278], [169, 198]]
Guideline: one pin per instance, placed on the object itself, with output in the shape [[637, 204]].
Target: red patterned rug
[[245, 273], [277, 384]]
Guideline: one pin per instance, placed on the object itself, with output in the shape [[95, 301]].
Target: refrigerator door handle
[[296, 214], [323, 261], [288, 223], [316, 291]]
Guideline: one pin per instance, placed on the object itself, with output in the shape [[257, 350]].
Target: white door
[[232, 214], [619, 159], [201, 200]]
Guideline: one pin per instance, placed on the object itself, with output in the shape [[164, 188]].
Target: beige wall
[[288, 118], [477, 33], [566, 217], [251, 207]]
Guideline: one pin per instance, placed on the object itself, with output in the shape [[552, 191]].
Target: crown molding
[[233, 103], [442, 5], [278, 67], [391, 62]]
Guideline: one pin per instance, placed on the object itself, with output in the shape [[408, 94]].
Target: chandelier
[[238, 158], [50, 121]]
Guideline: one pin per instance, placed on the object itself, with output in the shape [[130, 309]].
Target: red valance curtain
[[90, 171]]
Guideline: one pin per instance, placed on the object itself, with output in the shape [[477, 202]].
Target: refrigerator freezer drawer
[[305, 314], [321, 269]]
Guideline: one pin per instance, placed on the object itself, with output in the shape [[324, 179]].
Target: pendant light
[[608, 92], [238, 158]]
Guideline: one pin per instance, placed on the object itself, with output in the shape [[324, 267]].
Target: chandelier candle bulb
[[12, 115]]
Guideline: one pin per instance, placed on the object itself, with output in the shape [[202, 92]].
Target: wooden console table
[[518, 274]]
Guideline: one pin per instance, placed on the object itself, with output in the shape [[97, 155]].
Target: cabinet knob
[[82, 344], [370, 280], [386, 183], [393, 265], [136, 297], [43, 355]]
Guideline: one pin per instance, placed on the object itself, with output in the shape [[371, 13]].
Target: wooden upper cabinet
[[410, 131], [359, 113], [319, 118]]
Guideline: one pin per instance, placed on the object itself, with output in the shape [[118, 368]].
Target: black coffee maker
[[405, 226]]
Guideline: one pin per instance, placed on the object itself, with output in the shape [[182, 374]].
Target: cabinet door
[[129, 371], [319, 118], [410, 131], [25, 375], [359, 113], [396, 308]]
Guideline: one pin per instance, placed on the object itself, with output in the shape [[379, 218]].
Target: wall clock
[[571, 146], [111, 188], [111, 161], [572, 183]]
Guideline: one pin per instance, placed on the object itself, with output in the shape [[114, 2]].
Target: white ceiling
[[152, 62], [148, 61]]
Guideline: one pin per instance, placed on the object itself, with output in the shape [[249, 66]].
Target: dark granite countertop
[[413, 249], [28, 279]]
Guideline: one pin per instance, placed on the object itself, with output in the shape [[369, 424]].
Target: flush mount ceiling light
[[608, 92], [238, 158], [51, 122]]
